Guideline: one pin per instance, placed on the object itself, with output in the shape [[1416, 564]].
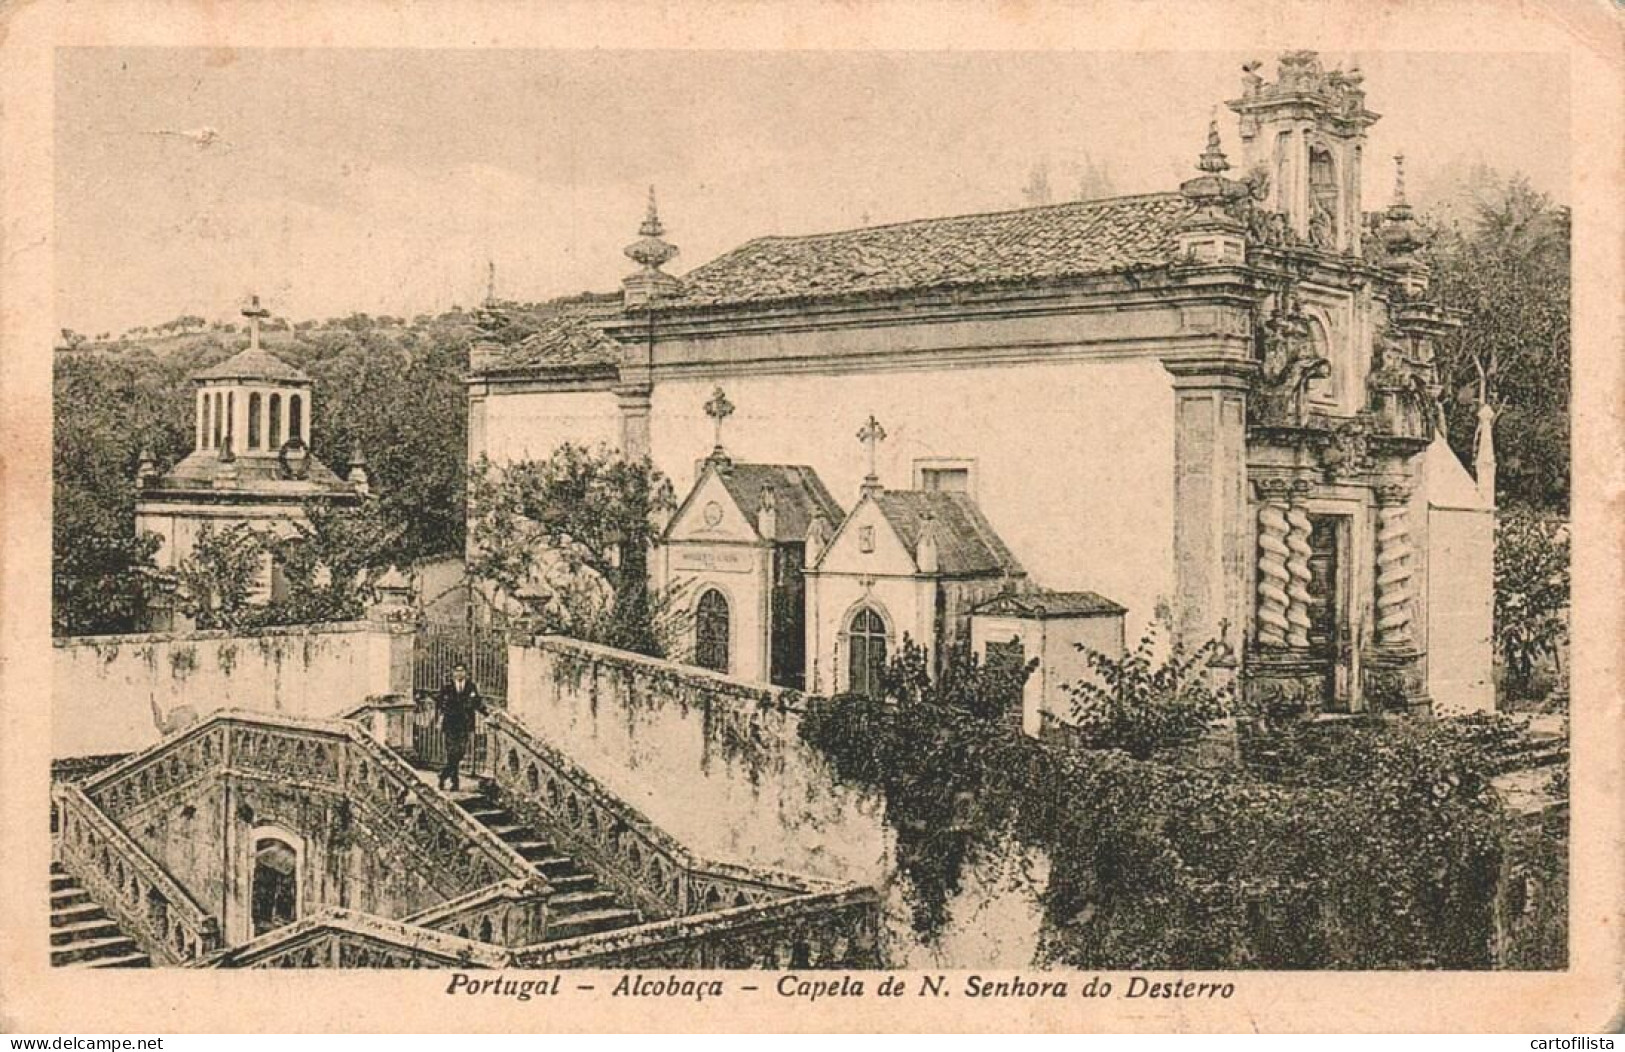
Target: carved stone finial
[[1213, 160], [1399, 182], [146, 471], [650, 251], [357, 474]]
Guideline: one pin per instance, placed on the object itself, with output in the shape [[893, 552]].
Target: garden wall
[[715, 762], [114, 694]]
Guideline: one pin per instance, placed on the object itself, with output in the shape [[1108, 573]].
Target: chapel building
[[1216, 402], [250, 462]]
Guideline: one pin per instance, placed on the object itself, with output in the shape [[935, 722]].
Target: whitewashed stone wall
[[112, 694]]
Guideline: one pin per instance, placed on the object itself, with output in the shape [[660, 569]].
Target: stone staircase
[[82, 934], [580, 904]]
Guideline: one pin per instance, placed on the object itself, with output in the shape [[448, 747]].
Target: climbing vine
[[1380, 853]]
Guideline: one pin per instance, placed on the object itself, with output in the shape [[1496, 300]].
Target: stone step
[[63, 882], [572, 882], [68, 897], [84, 910], [575, 902], [510, 833], [534, 849], [555, 865], [591, 922], [129, 960], [79, 932], [94, 949]]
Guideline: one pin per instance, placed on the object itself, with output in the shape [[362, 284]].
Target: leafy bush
[[215, 582], [583, 519], [1155, 696], [1381, 852], [1531, 592]]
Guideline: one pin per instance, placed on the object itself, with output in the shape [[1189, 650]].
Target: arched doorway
[[866, 652], [276, 884], [711, 631]]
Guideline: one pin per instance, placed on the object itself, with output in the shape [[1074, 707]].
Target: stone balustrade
[[830, 929], [552, 794], [130, 885], [339, 938], [512, 913], [445, 850]]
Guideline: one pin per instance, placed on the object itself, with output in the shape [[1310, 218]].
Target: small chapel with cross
[[250, 462]]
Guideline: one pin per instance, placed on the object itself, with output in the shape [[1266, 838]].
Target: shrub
[[1152, 697], [1531, 592]]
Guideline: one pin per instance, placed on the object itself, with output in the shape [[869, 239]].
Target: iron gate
[[436, 650]]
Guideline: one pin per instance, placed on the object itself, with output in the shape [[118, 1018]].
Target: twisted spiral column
[[1393, 567], [1273, 576], [1297, 567]]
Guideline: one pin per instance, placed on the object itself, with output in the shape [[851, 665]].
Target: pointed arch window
[[219, 411], [866, 652], [711, 631], [296, 418], [206, 437]]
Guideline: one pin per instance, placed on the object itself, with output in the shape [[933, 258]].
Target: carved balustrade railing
[[828, 929], [427, 833], [630, 853], [512, 913], [129, 884], [339, 938]]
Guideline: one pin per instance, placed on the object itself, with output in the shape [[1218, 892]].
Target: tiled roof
[[1043, 605], [799, 494], [199, 469], [1054, 241], [253, 364], [566, 332], [966, 542]]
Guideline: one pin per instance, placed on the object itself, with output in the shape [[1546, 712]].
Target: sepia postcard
[[974, 517]]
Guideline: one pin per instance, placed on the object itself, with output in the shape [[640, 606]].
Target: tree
[[216, 580], [580, 517], [1531, 593], [1507, 268], [331, 562]]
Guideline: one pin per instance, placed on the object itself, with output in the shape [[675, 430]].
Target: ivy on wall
[[1384, 851]]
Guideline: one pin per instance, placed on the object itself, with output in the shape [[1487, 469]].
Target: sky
[[336, 180]]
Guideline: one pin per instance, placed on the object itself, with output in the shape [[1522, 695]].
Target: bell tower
[[1304, 135]]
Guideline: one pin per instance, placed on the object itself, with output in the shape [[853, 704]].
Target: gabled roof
[[253, 363], [1042, 606], [967, 544], [1054, 241], [798, 493]]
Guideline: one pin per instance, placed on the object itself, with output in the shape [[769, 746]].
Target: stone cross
[[255, 314], [718, 409], [871, 435]]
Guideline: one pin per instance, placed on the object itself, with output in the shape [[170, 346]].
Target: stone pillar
[[1274, 579], [633, 401], [1297, 568], [1210, 497], [1394, 673], [1394, 573]]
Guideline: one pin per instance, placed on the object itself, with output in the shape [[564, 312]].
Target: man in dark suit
[[458, 702]]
